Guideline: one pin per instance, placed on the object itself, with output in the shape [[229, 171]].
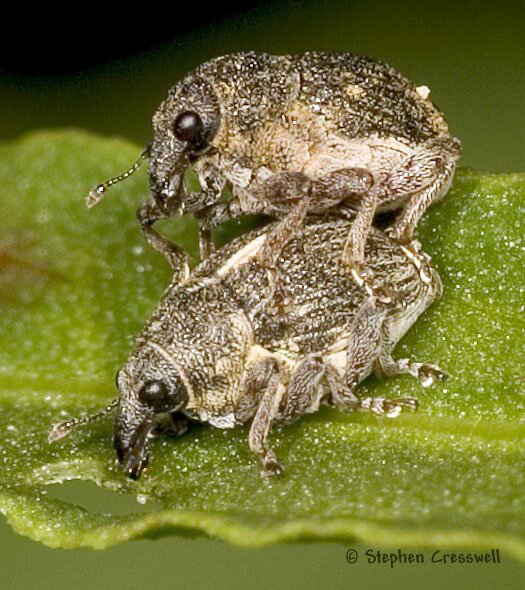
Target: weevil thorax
[[254, 90]]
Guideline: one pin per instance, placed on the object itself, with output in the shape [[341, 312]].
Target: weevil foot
[[364, 277], [420, 259], [278, 300], [389, 408], [271, 466], [428, 374]]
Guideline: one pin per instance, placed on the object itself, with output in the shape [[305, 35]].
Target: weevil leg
[[278, 238], [211, 217], [354, 187], [426, 373], [365, 345], [263, 383], [354, 249], [147, 215], [206, 246], [282, 193], [419, 258], [270, 253], [304, 392], [425, 176], [296, 194], [284, 404], [346, 184], [385, 366]]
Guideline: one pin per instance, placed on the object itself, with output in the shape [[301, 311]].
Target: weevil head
[[147, 390], [189, 359], [183, 127], [222, 118]]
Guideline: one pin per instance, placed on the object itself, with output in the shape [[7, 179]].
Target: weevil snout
[[167, 183], [132, 449], [141, 403], [184, 127]]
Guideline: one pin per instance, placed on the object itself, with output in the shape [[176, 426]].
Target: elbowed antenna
[[62, 429], [95, 194]]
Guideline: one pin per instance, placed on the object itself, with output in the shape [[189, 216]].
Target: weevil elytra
[[292, 135], [212, 352]]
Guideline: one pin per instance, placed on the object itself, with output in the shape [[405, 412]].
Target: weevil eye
[[154, 393], [159, 396], [188, 127]]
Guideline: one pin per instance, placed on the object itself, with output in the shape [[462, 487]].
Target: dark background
[[94, 67], [107, 70], [51, 42]]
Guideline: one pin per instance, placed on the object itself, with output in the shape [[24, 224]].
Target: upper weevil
[[211, 352], [292, 135]]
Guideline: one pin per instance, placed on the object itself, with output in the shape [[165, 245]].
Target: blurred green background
[[471, 55]]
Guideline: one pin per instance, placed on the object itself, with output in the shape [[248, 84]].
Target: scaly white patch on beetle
[[338, 359], [238, 175], [244, 255], [423, 91]]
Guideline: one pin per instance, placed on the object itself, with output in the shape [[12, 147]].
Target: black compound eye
[[188, 126], [154, 393], [162, 397]]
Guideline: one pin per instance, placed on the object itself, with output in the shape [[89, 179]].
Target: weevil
[[292, 135], [211, 352]]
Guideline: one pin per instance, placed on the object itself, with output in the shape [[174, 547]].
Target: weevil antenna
[[95, 194], [62, 429]]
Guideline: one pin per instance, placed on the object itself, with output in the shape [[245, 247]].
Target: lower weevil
[[211, 352]]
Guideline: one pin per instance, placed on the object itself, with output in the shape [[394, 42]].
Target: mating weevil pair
[[293, 137]]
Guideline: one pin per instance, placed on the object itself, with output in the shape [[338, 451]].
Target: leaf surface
[[76, 286]]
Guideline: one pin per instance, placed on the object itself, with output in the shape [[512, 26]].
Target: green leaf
[[76, 287]]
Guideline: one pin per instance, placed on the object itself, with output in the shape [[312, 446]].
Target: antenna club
[[59, 431], [94, 195], [62, 429]]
